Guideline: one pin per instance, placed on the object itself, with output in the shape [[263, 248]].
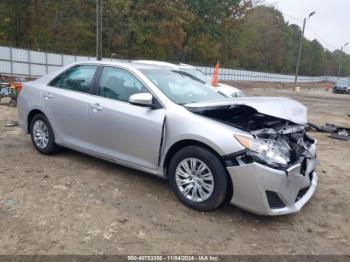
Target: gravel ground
[[71, 203]]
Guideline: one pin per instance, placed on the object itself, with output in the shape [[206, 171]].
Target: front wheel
[[198, 178], [42, 135]]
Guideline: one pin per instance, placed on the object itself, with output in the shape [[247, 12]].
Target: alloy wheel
[[40, 134], [194, 180]]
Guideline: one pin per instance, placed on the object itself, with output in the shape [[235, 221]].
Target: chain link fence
[[23, 62]]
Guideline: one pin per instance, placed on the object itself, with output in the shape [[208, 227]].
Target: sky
[[330, 25]]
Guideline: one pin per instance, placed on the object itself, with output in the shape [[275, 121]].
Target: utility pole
[[341, 59], [300, 49], [98, 30]]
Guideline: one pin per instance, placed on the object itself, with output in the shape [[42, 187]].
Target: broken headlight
[[272, 152]]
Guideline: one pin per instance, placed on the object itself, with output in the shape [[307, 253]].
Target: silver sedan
[[251, 151]]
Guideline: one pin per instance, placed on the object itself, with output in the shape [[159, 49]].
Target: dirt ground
[[71, 203]]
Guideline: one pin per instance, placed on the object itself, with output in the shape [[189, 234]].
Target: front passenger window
[[119, 84]]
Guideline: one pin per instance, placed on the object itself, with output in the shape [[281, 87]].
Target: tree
[[192, 31], [261, 45]]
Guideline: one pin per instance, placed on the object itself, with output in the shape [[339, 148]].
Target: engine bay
[[289, 137]]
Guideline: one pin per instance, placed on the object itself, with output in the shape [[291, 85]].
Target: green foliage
[[192, 31]]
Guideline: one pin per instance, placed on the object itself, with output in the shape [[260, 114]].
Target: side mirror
[[142, 99]]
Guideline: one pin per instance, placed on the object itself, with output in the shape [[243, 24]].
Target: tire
[[49, 147], [201, 199]]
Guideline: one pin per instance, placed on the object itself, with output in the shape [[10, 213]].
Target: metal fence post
[[46, 62], [11, 61], [29, 63]]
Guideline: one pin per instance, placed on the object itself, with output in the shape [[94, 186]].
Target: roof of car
[[141, 64], [120, 63], [155, 63], [127, 64], [186, 66], [162, 63]]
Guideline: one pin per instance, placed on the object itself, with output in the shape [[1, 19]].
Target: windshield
[[197, 73], [181, 88]]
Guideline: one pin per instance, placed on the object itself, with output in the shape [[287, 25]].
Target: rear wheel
[[198, 178], [42, 135]]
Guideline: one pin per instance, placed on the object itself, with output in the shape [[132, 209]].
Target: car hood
[[280, 107]]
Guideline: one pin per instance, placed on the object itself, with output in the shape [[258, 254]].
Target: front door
[[120, 130]]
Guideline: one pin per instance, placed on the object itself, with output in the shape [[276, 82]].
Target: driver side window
[[119, 84]]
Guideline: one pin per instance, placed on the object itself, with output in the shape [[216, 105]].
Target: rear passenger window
[[57, 82], [78, 78]]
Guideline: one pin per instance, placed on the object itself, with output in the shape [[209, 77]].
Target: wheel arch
[[190, 142], [31, 114]]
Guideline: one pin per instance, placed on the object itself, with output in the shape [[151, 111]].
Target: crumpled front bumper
[[266, 191]]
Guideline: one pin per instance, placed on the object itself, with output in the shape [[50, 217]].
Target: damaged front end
[[279, 147], [279, 160], [276, 142]]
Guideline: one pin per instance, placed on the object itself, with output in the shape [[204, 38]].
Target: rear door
[[66, 101], [120, 130]]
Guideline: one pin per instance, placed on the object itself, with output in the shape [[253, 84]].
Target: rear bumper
[[21, 114], [267, 191]]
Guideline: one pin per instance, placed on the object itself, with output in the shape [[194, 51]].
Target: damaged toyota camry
[[251, 151]]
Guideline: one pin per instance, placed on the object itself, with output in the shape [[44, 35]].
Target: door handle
[[48, 95], [96, 107]]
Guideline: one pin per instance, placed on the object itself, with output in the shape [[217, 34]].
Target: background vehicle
[[18, 82], [227, 90], [16, 87], [165, 122], [342, 87], [11, 90], [5, 88]]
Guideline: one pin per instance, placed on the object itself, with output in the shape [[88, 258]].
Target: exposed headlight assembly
[[272, 152]]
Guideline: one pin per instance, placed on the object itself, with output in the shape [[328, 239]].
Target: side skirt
[[115, 160]]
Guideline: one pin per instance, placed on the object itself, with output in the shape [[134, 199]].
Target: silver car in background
[[252, 151]]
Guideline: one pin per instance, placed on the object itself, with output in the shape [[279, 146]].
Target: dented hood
[[280, 107]]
